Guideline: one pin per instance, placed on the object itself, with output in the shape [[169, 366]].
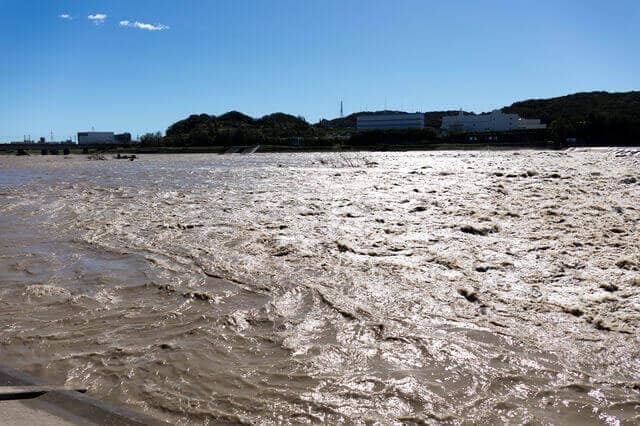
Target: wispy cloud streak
[[144, 26], [65, 16]]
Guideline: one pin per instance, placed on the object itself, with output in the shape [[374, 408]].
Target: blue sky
[[172, 58]]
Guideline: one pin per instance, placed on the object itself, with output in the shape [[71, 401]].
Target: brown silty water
[[449, 287]]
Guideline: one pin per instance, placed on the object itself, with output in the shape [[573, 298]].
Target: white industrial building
[[390, 121], [96, 138], [496, 121]]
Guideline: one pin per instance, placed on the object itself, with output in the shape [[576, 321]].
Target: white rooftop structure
[[496, 121]]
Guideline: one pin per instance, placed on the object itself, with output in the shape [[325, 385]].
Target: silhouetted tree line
[[235, 128], [598, 129], [593, 118], [152, 139]]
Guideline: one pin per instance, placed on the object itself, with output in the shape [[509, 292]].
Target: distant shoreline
[[498, 146]]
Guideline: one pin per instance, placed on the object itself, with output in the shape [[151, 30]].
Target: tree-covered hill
[[236, 119], [593, 118], [284, 124], [579, 106], [572, 108], [236, 128]]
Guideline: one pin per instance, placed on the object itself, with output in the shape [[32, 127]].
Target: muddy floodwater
[[448, 287]]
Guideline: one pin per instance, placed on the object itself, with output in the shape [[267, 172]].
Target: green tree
[[151, 139]]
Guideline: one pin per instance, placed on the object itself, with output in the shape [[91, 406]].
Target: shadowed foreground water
[[416, 287]]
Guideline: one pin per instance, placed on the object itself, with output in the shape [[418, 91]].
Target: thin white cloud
[[65, 16], [97, 18], [143, 26]]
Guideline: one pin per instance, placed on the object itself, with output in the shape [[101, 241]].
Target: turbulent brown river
[[445, 287]]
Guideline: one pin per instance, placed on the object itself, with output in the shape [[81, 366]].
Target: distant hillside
[[237, 120], [283, 124], [235, 128], [593, 118], [578, 107]]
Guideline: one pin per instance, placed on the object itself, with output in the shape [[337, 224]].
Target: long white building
[[389, 121], [496, 121]]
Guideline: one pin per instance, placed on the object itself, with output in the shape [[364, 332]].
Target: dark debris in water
[[418, 209], [344, 246], [468, 294], [575, 311], [610, 287], [479, 230], [627, 264], [484, 268]]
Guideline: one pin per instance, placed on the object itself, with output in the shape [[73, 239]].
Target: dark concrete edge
[[75, 406]]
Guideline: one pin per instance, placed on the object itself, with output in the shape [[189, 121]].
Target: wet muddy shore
[[437, 287]]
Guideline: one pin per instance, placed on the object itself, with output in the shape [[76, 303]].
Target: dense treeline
[[235, 128], [592, 118]]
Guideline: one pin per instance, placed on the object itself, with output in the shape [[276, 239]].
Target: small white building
[[96, 138], [390, 121], [496, 121]]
